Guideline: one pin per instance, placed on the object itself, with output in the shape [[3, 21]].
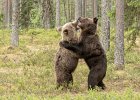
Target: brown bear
[[66, 61], [90, 48]]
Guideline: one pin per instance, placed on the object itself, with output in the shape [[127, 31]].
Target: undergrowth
[[27, 72]]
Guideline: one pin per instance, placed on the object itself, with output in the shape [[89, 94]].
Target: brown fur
[[90, 48], [65, 60]]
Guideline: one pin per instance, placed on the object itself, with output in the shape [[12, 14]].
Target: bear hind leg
[[64, 80], [102, 85], [95, 78], [92, 79]]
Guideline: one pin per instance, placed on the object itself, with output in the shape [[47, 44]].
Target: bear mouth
[[78, 27]]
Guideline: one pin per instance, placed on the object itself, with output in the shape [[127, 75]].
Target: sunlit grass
[[27, 72]]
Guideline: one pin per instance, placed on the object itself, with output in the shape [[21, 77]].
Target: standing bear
[[66, 61], [90, 48]]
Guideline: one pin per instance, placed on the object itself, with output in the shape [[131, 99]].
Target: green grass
[[27, 72]]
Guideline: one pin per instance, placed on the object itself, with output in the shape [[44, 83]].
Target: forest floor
[[27, 72]]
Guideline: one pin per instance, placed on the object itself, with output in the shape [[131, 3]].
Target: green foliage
[[1, 19], [30, 14], [132, 20], [129, 58], [36, 31], [44, 58], [52, 14], [26, 7], [135, 3], [112, 13], [128, 94], [35, 18]]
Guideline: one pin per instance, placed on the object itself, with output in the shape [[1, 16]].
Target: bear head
[[87, 25], [68, 31]]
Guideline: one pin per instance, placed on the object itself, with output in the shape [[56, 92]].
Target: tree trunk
[[57, 13], [78, 8], [68, 10], [111, 3], [83, 8], [105, 25], [15, 26], [6, 13], [65, 11], [95, 14], [46, 13], [1, 2], [72, 9], [119, 43], [9, 13]]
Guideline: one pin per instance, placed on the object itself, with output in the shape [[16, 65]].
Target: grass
[[27, 72]]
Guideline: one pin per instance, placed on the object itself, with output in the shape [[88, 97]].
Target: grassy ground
[[28, 73]]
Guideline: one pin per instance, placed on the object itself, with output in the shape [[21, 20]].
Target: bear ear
[[95, 20], [79, 18], [74, 23], [59, 29]]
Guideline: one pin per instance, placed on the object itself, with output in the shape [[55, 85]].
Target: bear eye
[[65, 32]]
